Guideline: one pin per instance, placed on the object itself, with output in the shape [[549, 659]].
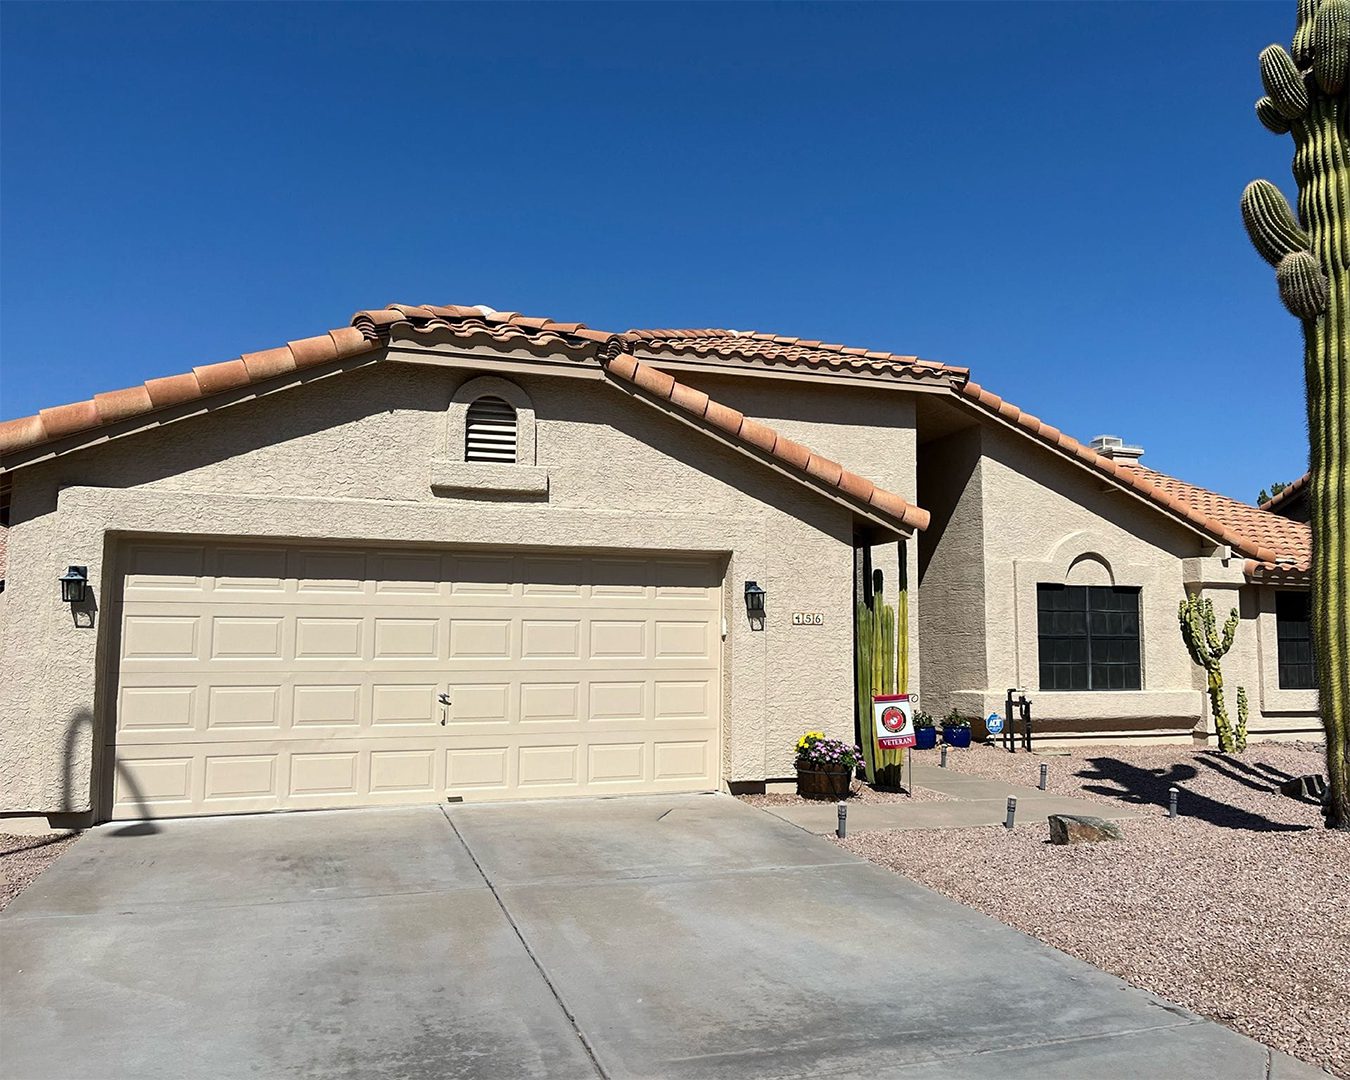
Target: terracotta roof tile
[[824, 469], [1266, 538], [766, 440], [215, 378], [116, 405], [65, 419], [776, 350], [757, 434]]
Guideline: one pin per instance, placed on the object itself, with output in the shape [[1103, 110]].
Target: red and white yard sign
[[893, 721]]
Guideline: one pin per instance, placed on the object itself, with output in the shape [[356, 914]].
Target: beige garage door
[[256, 677]]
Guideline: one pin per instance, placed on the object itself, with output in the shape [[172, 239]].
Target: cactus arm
[[1303, 287], [1270, 222], [1283, 81], [1271, 118]]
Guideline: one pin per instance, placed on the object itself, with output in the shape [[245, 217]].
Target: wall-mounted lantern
[[754, 605], [74, 585]]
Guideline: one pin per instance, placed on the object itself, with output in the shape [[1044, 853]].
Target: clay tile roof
[[155, 394], [795, 458], [1289, 541], [1269, 541], [371, 330], [483, 326], [775, 350]]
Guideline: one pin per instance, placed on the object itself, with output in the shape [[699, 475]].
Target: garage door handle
[[445, 706]]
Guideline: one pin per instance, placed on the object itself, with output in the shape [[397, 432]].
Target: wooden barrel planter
[[824, 782]]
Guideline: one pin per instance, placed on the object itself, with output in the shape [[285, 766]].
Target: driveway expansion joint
[[524, 944]]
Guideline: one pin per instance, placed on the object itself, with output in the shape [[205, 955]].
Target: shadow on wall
[[81, 719], [1148, 787]]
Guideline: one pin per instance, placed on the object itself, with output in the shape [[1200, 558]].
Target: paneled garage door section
[[257, 677]]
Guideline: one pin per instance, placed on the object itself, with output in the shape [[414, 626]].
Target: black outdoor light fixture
[[74, 585], [754, 605]]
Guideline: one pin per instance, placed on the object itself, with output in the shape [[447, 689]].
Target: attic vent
[[490, 431]]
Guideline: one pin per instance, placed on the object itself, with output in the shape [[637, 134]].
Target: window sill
[[487, 477]]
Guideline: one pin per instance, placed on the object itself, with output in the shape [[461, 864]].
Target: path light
[[842, 831], [1172, 802], [1012, 812], [943, 762], [754, 605], [74, 585], [1045, 774]]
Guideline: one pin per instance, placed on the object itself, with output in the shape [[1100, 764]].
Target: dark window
[[1089, 637], [1293, 637]]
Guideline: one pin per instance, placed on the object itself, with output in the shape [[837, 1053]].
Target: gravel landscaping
[[23, 858], [1236, 910]]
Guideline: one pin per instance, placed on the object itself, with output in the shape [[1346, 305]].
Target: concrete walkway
[[675, 938], [973, 801]]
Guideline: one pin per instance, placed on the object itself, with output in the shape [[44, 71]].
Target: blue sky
[[1046, 193]]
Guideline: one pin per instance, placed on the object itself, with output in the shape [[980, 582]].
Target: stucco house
[[451, 552]]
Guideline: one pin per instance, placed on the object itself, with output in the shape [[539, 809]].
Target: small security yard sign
[[893, 721], [994, 724]]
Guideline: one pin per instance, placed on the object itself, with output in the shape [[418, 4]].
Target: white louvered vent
[[490, 431]]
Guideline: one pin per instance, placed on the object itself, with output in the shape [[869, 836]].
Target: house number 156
[[808, 618]]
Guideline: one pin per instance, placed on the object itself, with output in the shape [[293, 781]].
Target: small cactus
[[1207, 647]]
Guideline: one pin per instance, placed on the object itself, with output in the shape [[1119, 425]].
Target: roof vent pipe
[[1113, 447]]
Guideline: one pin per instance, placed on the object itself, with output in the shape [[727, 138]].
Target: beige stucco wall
[[1018, 516], [350, 458], [952, 621], [869, 429]]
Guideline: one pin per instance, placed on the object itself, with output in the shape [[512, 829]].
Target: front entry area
[[257, 676]]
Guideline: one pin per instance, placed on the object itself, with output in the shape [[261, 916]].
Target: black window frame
[[1089, 637], [1296, 664]]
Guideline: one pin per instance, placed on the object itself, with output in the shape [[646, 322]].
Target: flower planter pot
[[956, 736], [823, 781], [925, 738]]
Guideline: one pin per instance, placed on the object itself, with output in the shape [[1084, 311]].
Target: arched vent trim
[[490, 431]]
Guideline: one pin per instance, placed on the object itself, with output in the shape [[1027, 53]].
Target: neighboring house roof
[[1274, 546], [1270, 542], [370, 330], [745, 347], [1276, 503]]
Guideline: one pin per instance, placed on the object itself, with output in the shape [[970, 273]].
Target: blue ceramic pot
[[927, 738], [956, 736]]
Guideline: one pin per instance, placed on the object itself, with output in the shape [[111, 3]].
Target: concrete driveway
[[653, 937]]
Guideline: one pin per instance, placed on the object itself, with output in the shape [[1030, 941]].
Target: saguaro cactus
[[1207, 647], [1307, 99], [875, 658]]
